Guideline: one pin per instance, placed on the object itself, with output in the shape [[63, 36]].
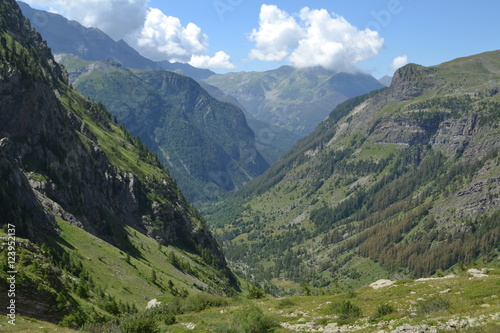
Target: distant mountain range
[[399, 183], [293, 99], [292, 102], [64, 36], [403, 181]]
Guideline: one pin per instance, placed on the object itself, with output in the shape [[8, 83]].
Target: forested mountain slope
[[402, 181], [100, 226], [206, 144]]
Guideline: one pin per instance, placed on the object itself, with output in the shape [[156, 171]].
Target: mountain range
[[400, 182], [293, 99], [206, 144], [96, 221], [211, 156], [395, 185]]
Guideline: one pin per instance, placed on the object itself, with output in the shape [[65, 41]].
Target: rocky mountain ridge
[[64, 36]]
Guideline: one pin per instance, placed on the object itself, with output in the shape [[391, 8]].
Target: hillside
[[293, 99], [64, 36], [97, 224], [465, 302], [206, 144], [401, 182]]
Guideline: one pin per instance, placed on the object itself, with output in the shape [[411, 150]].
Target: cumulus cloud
[[154, 34], [278, 32], [164, 36], [399, 62], [219, 60], [117, 18], [313, 38]]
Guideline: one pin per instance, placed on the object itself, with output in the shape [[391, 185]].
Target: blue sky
[[248, 35]]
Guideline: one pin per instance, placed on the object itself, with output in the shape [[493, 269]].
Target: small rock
[[477, 273], [381, 284], [445, 291], [485, 305], [153, 303], [189, 326]]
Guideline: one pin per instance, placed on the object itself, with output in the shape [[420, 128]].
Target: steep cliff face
[[61, 157], [54, 140]]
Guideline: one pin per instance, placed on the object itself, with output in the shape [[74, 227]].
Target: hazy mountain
[[206, 144], [385, 80], [65, 36], [100, 227], [271, 140], [401, 181], [293, 99]]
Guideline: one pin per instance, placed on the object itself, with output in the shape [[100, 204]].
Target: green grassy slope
[[399, 182], [100, 226], [461, 302]]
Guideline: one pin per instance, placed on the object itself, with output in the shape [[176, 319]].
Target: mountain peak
[[65, 36]]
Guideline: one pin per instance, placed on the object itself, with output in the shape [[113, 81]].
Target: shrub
[[346, 310], [432, 305], [383, 310], [285, 303], [200, 302], [139, 325], [252, 320], [255, 293]]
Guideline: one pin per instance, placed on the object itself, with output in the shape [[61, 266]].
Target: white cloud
[[314, 38], [164, 37], [117, 18], [151, 32], [219, 60], [278, 32], [399, 62]]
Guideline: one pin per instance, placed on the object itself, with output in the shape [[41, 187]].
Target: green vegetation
[[346, 310], [461, 302], [329, 219], [384, 310], [432, 305], [101, 227], [307, 94], [378, 189], [206, 144]]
